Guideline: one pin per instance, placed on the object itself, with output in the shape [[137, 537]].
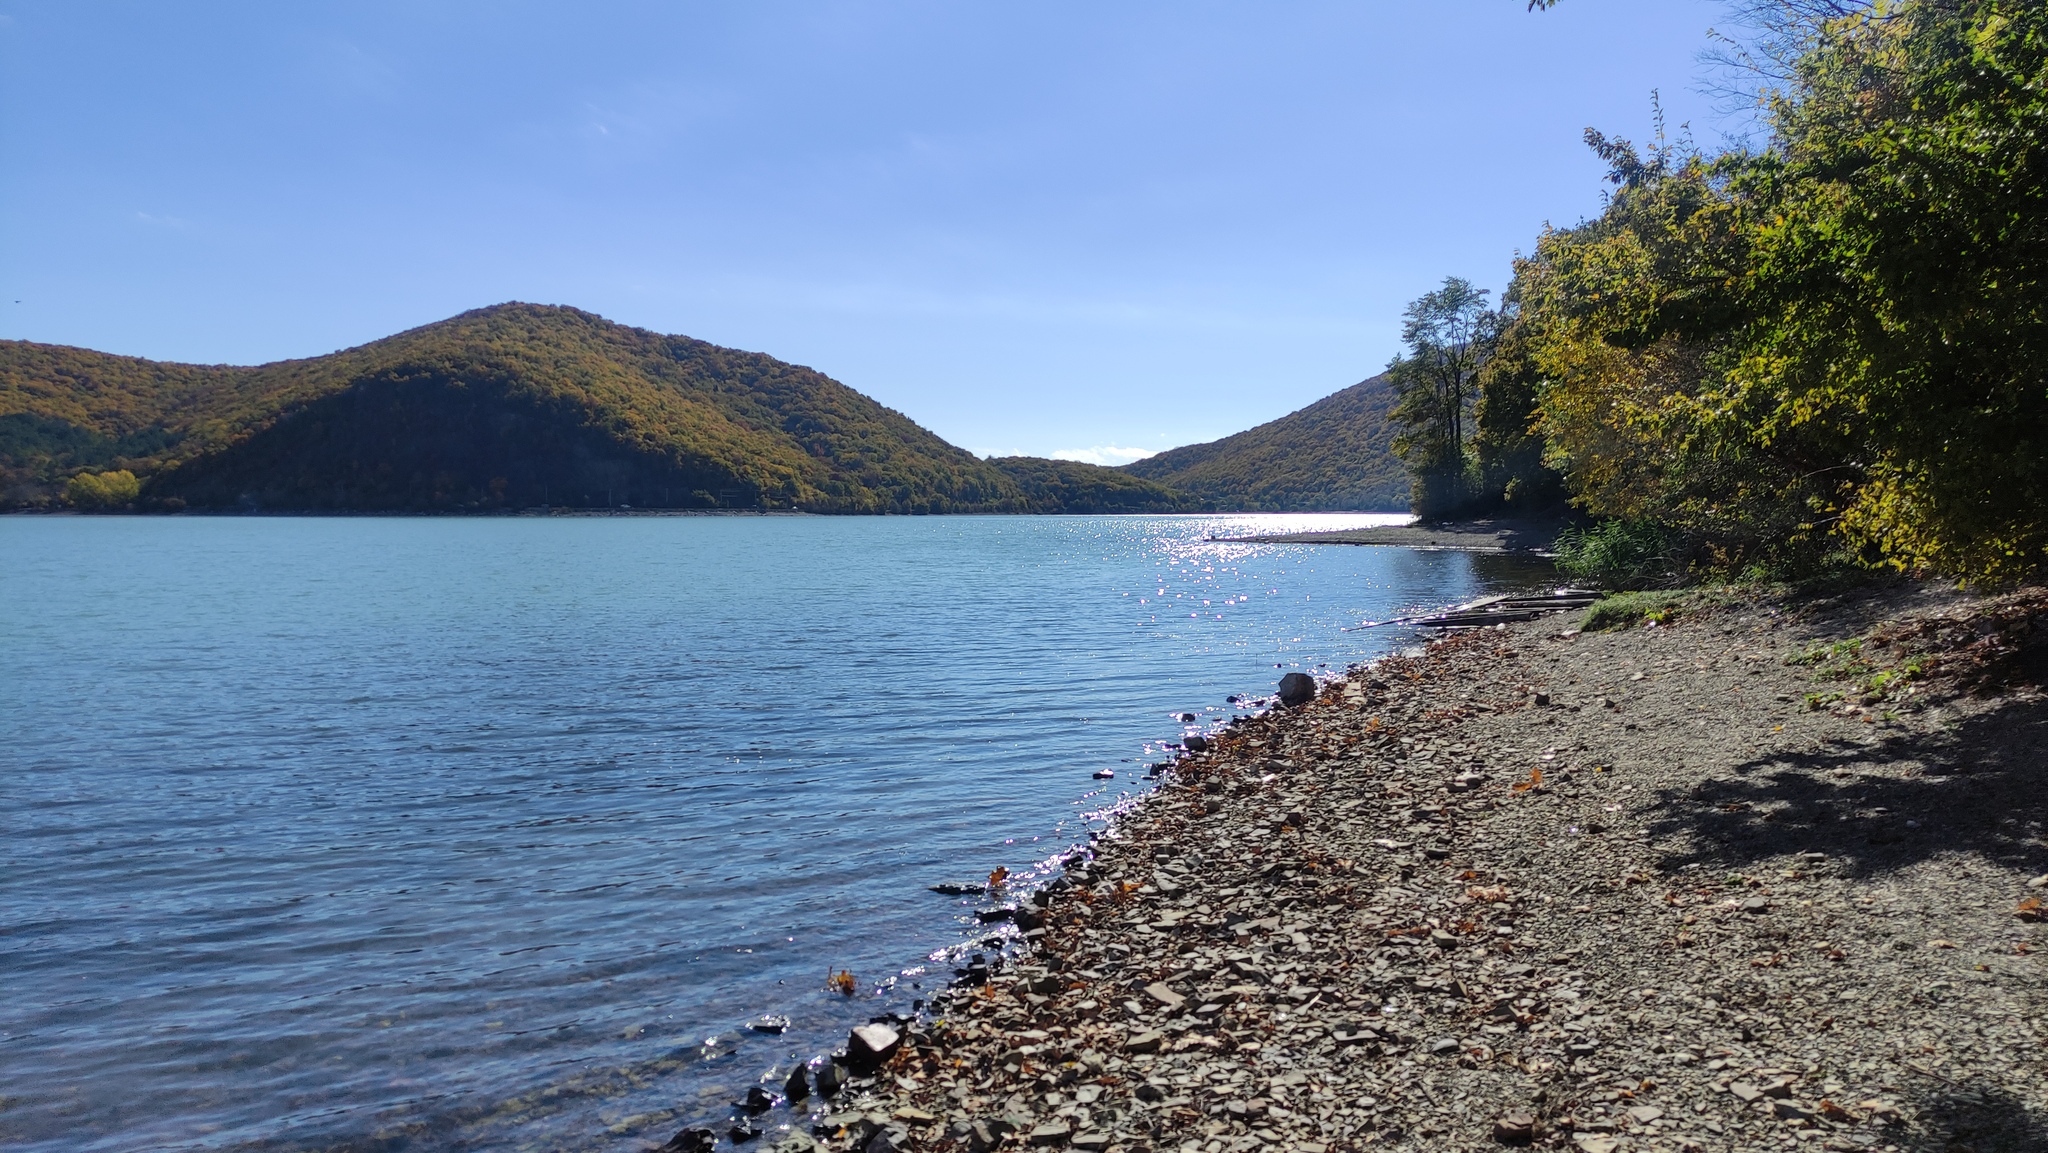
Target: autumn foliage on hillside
[[502, 408], [1335, 455]]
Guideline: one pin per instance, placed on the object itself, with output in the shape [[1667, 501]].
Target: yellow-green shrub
[[104, 490]]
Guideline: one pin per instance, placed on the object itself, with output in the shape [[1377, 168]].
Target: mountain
[[1336, 455], [507, 407], [1072, 486]]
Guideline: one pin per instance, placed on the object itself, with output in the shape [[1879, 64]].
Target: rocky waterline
[[1608, 892]]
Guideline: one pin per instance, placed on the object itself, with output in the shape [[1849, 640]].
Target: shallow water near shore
[[493, 833]]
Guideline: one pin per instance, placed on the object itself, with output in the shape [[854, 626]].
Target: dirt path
[[1621, 891]]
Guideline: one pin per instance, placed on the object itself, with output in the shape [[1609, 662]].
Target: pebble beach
[[1680, 886]]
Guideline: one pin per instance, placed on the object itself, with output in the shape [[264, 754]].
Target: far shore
[[1488, 535]]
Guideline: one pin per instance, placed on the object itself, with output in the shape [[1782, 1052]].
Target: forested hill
[[1335, 455], [506, 407]]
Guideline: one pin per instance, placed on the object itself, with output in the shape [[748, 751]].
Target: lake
[[450, 834]]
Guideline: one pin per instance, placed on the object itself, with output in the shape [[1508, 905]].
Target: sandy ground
[[1488, 536], [1606, 892]]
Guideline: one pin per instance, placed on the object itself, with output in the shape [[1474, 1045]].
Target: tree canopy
[[1827, 348], [1335, 455], [1450, 335]]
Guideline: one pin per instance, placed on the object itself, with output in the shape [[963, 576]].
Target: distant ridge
[[1336, 455], [501, 408]]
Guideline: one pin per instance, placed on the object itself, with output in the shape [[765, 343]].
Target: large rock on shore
[[869, 1046], [1297, 689]]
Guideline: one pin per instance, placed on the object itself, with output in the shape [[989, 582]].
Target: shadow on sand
[[1974, 788]]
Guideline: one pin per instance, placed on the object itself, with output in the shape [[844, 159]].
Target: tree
[[1450, 333], [1831, 345], [102, 491], [1507, 444]]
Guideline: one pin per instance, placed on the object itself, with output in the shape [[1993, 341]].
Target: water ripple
[[354, 833]]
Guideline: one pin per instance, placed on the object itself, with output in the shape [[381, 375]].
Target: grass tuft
[[1627, 610]]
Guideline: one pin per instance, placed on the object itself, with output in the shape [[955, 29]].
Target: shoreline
[[1612, 892], [478, 514], [1486, 535], [567, 511]]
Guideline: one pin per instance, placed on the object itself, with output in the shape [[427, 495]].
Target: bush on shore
[[103, 491], [1621, 554]]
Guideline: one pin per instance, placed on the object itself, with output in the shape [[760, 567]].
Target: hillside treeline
[[1827, 349], [1334, 455], [508, 407], [519, 406]]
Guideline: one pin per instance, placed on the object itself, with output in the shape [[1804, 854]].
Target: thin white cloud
[[1103, 454]]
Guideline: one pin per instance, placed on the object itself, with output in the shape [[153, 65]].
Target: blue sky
[[1046, 227]]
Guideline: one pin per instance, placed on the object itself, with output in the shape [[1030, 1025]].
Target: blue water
[[492, 833]]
